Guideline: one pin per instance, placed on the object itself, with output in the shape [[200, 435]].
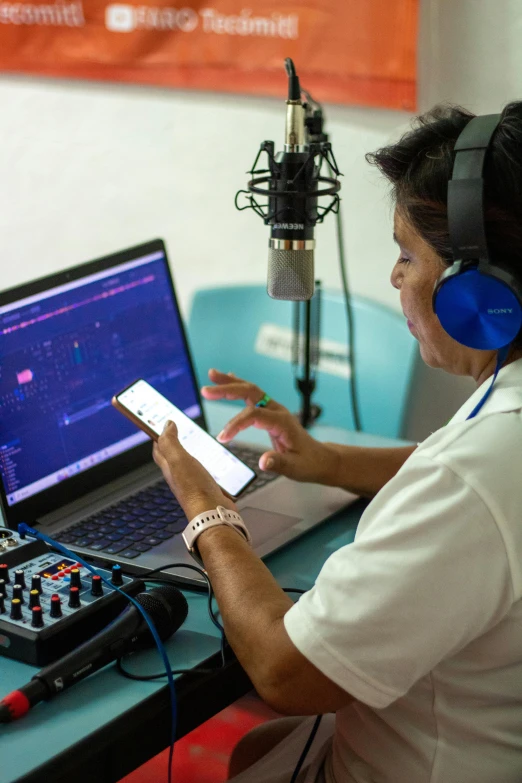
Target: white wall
[[471, 53], [86, 169], [91, 168]]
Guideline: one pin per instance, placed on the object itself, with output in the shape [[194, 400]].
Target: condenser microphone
[[292, 190], [166, 607], [293, 206]]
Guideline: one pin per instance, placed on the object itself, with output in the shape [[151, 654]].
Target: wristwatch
[[212, 518]]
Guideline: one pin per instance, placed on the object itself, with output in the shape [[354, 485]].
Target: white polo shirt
[[420, 619]]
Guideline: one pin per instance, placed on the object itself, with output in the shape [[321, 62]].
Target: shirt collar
[[505, 396]]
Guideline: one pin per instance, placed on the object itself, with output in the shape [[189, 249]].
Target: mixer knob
[[74, 598], [4, 572], [36, 583], [18, 592], [117, 577], [37, 617], [20, 577], [75, 578], [16, 609], [34, 599], [3, 587], [56, 605], [2, 604], [97, 585]]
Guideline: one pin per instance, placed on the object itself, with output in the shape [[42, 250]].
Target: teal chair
[[240, 329]]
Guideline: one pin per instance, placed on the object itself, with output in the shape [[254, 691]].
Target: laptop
[[74, 466]]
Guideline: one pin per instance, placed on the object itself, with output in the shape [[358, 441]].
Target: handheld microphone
[[292, 189], [167, 608]]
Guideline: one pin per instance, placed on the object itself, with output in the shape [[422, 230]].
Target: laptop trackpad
[[264, 525]]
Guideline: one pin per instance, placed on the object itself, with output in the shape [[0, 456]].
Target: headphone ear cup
[[476, 309]]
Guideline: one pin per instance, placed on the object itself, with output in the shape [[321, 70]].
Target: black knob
[[3, 587], [36, 583], [97, 585], [18, 592], [34, 598], [117, 576], [16, 609], [4, 572], [37, 618], [75, 578], [56, 605], [19, 577], [74, 598], [2, 604]]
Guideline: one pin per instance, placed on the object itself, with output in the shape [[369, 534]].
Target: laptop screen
[[65, 351]]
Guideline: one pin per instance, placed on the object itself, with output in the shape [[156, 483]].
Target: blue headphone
[[478, 303]]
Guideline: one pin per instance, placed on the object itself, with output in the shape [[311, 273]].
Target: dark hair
[[420, 164]]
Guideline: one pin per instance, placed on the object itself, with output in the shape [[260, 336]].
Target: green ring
[[263, 402]]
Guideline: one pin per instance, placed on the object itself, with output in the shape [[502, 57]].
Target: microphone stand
[[279, 187], [305, 353]]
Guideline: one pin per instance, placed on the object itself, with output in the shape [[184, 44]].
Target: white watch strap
[[208, 519]]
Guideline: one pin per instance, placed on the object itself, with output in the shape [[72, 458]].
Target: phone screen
[[151, 407]]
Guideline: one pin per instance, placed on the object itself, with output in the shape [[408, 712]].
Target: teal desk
[[105, 726]]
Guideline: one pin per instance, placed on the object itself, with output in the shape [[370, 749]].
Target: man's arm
[[251, 603], [252, 607], [364, 471]]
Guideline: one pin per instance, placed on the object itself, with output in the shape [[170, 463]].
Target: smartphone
[[150, 410]]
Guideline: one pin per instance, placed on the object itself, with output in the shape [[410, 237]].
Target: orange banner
[[345, 51]]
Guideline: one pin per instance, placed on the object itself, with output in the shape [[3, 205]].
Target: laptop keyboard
[[130, 527], [250, 455], [145, 519]]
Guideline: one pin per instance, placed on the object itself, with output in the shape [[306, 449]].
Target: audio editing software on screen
[[65, 352]]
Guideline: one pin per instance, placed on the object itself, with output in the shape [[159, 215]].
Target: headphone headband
[[478, 303], [466, 190]]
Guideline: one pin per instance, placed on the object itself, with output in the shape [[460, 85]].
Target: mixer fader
[[49, 604]]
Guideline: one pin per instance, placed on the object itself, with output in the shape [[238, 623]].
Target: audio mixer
[[49, 604]]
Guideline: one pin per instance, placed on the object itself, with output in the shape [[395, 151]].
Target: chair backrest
[[240, 329]]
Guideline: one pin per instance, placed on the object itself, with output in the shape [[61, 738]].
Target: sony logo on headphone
[[497, 311]]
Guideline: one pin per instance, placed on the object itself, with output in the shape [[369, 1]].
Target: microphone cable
[[350, 323], [306, 748], [212, 614], [146, 677], [210, 594], [158, 580], [314, 122]]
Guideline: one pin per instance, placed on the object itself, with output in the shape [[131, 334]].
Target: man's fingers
[[262, 418], [274, 462], [171, 428], [233, 390], [216, 376], [236, 388], [168, 444], [158, 457]]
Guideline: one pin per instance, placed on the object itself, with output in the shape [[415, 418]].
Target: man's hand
[[294, 453], [194, 488]]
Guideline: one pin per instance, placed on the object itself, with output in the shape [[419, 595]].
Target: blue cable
[[24, 529], [501, 358]]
